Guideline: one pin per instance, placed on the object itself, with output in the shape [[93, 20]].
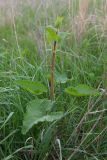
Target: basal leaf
[[38, 111], [31, 86], [82, 90]]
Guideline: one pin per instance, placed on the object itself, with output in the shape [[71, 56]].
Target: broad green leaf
[[31, 86], [61, 78], [38, 111], [58, 21], [51, 34], [82, 90]]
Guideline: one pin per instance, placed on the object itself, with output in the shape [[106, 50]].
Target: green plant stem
[[52, 94]]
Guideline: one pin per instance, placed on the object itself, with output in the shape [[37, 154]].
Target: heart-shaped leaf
[[51, 34], [31, 86], [38, 111], [82, 90]]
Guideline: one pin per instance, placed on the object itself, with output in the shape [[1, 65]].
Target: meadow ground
[[81, 58]]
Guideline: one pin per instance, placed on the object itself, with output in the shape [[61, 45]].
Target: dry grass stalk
[[81, 19]]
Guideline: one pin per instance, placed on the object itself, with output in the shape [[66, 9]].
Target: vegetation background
[[81, 58]]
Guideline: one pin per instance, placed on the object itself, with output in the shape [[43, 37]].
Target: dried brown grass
[[81, 19], [79, 22]]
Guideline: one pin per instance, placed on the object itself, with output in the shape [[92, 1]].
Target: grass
[[83, 59]]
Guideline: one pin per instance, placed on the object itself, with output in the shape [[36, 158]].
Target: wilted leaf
[[38, 111], [82, 90], [31, 86], [51, 34]]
